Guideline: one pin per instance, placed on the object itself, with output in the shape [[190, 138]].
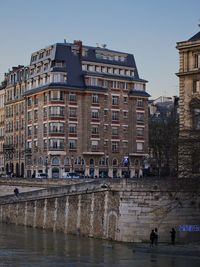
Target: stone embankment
[[121, 210]]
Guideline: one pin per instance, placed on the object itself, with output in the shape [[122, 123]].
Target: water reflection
[[27, 247]]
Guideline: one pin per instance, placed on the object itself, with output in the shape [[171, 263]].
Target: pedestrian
[[173, 236], [156, 236], [152, 238], [16, 191]]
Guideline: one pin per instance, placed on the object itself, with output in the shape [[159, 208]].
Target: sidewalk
[[192, 249]]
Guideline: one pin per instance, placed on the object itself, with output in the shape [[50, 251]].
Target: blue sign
[[189, 228]]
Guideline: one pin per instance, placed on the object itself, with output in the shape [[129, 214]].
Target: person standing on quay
[[152, 238], [156, 236], [173, 236]]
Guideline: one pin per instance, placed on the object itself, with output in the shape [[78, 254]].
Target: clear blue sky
[[148, 29]]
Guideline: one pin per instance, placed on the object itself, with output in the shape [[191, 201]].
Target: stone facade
[[117, 211], [189, 83], [86, 109]]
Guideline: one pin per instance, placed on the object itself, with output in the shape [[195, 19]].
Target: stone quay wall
[[118, 210]]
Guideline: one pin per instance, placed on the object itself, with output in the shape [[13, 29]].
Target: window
[[57, 95], [115, 115], [45, 112], [29, 144], [196, 86], [45, 144], [95, 144], [29, 101], [95, 129], [55, 161], [45, 128], [72, 97], [72, 128], [45, 97], [29, 115], [115, 131], [140, 117], [197, 60], [72, 144], [140, 146], [35, 100], [115, 100], [115, 146], [125, 114], [95, 99], [140, 132], [35, 130], [35, 115], [105, 143], [95, 114], [56, 111], [56, 127], [72, 112], [125, 99], [29, 131], [140, 103], [94, 81], [56, 143], [105, 112]]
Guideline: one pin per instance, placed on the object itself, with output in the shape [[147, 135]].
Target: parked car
[[70, 175], [41, 175]]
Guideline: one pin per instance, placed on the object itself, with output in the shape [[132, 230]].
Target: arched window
[[55, 161]]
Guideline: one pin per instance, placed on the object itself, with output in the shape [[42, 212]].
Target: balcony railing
[[61, 148]]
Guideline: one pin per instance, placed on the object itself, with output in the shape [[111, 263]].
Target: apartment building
[[189, 84], [86, 110], [14, 123], [2, 116]]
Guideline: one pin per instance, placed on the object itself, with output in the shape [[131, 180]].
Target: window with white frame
[[115, 115], [140, 117], [140, 132], [125, 114], [95, 99], [55, 143], [72, 128], [115, 146], [72, 112], [115, 100], [72, 97], [140, 146], [95, 113], [94, 144], [95, 129], [140, 103], [115, 131]]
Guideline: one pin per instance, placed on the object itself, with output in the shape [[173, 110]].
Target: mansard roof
[[196, 37]]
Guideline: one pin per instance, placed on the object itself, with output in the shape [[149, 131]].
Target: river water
[[27, 247]]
